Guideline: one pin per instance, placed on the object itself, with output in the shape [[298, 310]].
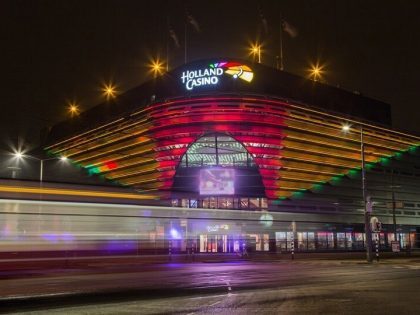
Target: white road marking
[[215, 303], [207, 297]]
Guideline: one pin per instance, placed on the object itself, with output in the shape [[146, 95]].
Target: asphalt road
[[285, 287]]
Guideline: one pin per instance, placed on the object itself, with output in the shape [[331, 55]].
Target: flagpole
[[185, 42], [281, 42]]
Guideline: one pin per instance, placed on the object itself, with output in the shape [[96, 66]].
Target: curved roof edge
[[221, 76]]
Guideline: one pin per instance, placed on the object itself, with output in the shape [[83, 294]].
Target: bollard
[[293, 248], [377, 247]]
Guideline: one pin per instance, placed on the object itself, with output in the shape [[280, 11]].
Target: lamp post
[[20, 155], [315, 73], [256, 50], [368, 233], [394, 218], [156, 67]]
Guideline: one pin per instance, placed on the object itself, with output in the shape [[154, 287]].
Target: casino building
[[262, 143]]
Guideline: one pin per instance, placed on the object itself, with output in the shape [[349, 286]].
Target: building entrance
[[211, 243]]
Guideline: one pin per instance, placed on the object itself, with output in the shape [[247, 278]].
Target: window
[[216, 150]]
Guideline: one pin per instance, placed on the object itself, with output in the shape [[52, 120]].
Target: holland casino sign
[[211, 74]]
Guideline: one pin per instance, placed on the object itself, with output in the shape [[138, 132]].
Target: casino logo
[[210, 75], [236, 70]]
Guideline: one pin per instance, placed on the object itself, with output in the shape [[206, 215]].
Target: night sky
[[53, 52]]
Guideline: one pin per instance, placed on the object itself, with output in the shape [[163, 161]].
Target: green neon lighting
[[354, 172]]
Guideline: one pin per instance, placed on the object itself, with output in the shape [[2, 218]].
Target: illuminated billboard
[[217, 181]]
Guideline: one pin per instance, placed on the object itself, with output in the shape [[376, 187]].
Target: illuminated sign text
[[201, 77]]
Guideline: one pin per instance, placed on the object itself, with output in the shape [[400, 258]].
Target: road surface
[[271, 287]]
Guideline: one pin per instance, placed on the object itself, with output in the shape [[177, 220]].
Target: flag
[[193, 22], [289, 29], [172, 34], [263, 20]]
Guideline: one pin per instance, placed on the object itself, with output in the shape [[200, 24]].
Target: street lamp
[[20, 155], [109, 91], [394, 218], [256, 51], [368, 240], [315, 72], [74, 109], [156, 67]]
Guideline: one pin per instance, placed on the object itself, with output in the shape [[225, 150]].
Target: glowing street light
[[20, 155], [156, 67], [74, 109], [316, 72], [256, 51], [109, 91], [345, 128]]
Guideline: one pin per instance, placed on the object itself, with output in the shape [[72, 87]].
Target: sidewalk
[[102, 261]]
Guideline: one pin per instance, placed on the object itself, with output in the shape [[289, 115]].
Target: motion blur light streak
[[66, 229], [68, 192]]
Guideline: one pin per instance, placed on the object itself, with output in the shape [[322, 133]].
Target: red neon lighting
[[111, 165]]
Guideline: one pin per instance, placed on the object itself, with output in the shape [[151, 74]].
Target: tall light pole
[[20, 155], [394, 205], [368, 233]]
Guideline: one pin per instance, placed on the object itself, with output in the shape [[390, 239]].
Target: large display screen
[[217, 181]]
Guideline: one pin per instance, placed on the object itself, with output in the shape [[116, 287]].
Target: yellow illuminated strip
[[152, 181], [111, 134], [290, 188], [351, 121], [150, 173], [130, 144], [115, 174], [338, 126], [294, 136], [319, 160], [155, 184], [84, 133], [293, 179], [314, 150], [141, 148], [336, 134], [100, 143], [314, 168], [71, 192], [303, 177]]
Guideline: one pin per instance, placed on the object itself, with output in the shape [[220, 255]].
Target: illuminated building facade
[[234, 135]]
